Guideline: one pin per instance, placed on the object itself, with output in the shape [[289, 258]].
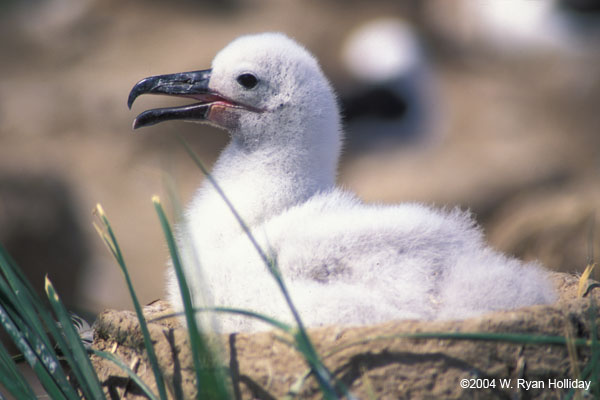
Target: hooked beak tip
[[131, 99], [183, 84]]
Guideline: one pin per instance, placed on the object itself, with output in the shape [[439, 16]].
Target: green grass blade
[[229, 310], [12, 379], [592, 366], [134, 377], [46, 352], [40, 360], [22, 297], [519, 338], [13, 273], [21, 312], [26, 302], [33, 316], [236, 215], [522, 338], [324, 376], [209, 377], [595, 354], [81, 367], [111, 242]]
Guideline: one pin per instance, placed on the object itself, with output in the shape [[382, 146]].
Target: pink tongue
[[208, 98]]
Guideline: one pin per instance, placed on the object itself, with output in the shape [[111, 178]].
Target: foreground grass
[[60, 361], [50, 343]]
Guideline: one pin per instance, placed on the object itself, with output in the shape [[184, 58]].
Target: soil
[[372, 361]]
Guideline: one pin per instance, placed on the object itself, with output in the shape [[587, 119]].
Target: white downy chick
[[343, 261]]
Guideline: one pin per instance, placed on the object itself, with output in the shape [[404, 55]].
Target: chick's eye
[[247, 80]]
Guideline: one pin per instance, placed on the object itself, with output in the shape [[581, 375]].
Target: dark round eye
[[247, 80]]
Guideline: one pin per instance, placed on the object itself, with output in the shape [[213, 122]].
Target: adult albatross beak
[[192, 85]]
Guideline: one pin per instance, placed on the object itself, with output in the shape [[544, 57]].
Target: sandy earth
[[372, 361]]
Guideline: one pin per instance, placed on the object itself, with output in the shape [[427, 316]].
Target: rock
[[373, 361]]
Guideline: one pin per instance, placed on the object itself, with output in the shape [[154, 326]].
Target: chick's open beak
[[192, 85]]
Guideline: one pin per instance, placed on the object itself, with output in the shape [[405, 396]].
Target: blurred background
[[491, 105]]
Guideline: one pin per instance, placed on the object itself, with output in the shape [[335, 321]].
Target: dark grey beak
[[192, 84]]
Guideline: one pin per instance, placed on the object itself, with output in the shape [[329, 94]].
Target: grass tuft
[[210, 381], [328, 384], [77, 354], [106, 233], [53, 347], [584, 278], [26, 319]]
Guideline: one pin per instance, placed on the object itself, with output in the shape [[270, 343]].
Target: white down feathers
[[344, 262]]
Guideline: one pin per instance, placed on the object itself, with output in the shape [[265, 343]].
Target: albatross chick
[[343, 261]]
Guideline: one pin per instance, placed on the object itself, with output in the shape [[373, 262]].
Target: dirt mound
[[373, 361]]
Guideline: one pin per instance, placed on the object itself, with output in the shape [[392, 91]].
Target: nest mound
[[373, 361]]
